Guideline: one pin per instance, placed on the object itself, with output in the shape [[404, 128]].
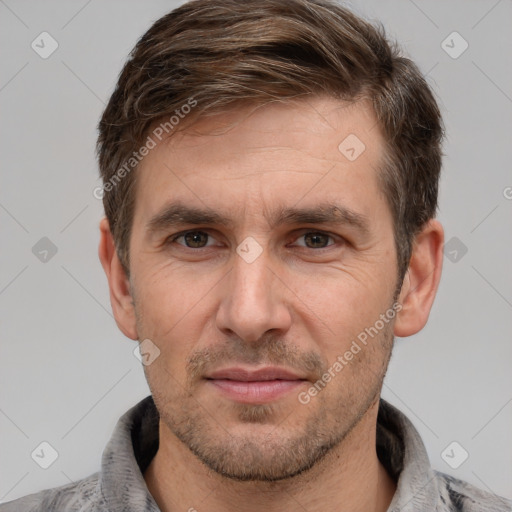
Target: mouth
[[255, 386]]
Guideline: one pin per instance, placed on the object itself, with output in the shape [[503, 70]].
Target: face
[[261, 254]]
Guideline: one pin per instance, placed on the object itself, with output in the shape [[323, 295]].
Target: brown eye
[[316, 240], [195, 239]]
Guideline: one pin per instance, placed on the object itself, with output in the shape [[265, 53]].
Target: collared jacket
[[120, 487]]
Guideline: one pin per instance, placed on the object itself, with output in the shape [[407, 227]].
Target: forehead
[[280, 153], [315, 127]]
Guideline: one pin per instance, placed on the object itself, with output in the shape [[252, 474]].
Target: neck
[[349, 478]]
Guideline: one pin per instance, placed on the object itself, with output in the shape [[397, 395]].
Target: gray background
[[67, 373]]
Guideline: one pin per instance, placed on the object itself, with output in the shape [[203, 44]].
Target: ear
[[421, 280], [119, 285]]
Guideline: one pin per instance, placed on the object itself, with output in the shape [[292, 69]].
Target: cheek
[[342, 305], [171, 309]]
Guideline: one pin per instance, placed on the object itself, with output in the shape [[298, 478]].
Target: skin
[[299, 305]]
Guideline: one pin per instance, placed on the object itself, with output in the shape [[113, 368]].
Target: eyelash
[[174, 238]]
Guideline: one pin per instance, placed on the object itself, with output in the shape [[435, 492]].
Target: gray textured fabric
[[120, 486]]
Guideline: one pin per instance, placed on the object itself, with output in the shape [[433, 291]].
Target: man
[[270, 174]]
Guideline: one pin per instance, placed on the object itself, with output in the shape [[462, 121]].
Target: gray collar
[[134, 443]]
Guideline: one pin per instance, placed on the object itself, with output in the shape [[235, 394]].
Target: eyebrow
[[177, 213], [323, 214]]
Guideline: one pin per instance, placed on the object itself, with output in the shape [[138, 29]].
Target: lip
[[262, 374], [254, 386]]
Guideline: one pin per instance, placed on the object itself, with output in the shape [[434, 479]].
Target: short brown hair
[[222, 52]]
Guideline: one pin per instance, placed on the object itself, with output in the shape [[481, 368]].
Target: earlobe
[[421, 280], [120, 293]]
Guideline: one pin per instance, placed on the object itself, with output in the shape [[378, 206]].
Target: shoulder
[[84, 496], [458, 496]]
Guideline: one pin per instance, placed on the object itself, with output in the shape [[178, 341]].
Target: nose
[[253, 301]]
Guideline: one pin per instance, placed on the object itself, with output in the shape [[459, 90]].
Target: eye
[[193, 239], [315, 240]]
